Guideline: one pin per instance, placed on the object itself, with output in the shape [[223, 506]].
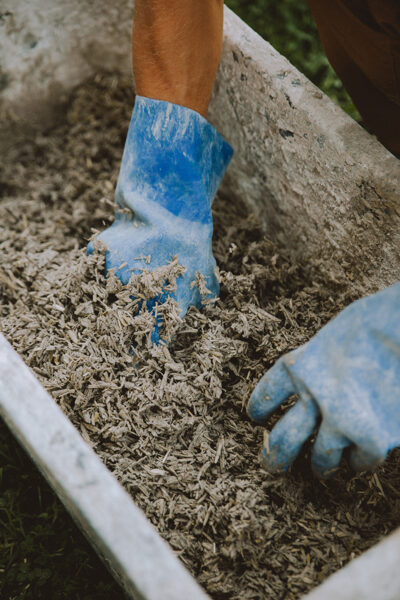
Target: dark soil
[[171, 424]]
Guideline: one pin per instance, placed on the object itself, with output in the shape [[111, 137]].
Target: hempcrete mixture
[[170, 423]]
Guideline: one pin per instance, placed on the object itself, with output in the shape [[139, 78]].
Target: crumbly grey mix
[[170, 422]]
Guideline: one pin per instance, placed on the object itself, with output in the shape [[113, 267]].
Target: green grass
[[289, 26], [43, 555]]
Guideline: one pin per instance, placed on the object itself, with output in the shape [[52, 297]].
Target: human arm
[[176, 50], [173, 159]]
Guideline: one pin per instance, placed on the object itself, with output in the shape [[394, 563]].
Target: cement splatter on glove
[[171, 168], [348, 376]]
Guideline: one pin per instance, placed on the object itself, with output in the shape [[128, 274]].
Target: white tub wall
[[374, 575], [120, 533], [47, 47], [325, 189], [329, 191]]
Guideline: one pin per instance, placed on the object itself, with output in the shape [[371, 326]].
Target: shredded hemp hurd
[[170, 421]]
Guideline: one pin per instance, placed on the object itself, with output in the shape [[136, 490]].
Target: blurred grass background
[[42, 554]]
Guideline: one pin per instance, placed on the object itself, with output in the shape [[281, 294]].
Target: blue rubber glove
[[349, 375], [171, 168]]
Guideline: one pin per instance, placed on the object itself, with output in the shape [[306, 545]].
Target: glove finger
[[287, 437], [327, 451], [362, 459], [270, 392], [151, 306]]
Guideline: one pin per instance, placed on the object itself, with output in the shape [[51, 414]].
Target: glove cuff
[[173, 156]]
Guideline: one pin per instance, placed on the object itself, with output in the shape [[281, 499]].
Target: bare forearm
[[176, 50]]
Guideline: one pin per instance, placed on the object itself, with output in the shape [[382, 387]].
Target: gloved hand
[[349, 375], [171, 168]]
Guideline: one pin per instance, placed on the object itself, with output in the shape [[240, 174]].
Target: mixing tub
[[323, 187]]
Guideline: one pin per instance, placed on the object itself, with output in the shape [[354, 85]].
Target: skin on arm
[[176, 50]]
